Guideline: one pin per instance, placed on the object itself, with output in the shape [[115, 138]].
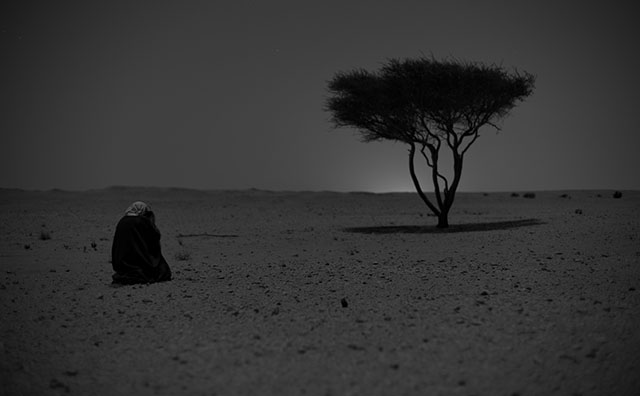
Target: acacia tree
[[429, 105]]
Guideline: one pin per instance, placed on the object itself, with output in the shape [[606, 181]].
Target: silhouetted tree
[[427, 104]]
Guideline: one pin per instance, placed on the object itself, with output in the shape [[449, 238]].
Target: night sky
[[230, 94]]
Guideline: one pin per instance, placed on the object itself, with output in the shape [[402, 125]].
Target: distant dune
[[322, 293]]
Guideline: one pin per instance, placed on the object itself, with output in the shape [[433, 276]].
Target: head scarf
[[138, 208]]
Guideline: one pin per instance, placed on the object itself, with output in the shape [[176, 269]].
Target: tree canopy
[[426, 103]]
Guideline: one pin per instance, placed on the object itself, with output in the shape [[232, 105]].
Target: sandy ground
[[324, 294]]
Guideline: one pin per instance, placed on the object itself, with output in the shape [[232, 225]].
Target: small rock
[[578, 211], [592, 353], [55, 384], [344, 303]]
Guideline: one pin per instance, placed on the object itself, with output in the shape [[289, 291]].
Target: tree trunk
[[449, 196], [443, 220]]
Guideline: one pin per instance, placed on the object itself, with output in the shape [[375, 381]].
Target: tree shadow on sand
[[468, 227]]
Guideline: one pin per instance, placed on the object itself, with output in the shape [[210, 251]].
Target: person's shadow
[[423, 229]]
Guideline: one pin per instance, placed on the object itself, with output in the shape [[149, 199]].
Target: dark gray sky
[[229, 94]]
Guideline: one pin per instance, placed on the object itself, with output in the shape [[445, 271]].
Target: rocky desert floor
[[279, 293]]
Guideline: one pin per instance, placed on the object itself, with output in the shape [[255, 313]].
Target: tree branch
[[451, 135], [434, 166], [494, 125], [475, 136], [416, 182], [434, 172], [430, 134]]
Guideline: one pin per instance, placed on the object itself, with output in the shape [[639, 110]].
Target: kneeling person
[[136, 255]]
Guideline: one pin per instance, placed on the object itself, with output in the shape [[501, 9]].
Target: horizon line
[[254, 189]]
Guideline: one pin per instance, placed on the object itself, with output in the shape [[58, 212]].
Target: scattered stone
[[45, 235], [344, 303], [355, 347], [55, 384], [578, 211], [568, 357]]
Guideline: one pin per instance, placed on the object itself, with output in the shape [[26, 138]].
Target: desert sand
[[278, 293]]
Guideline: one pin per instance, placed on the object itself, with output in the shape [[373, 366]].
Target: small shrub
[[529, 195], [565, 196], [617, 194], [515, 195]]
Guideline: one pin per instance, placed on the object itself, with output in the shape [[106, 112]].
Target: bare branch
[[475, 136], [416, 182], [435, 175], [493, 125], [434, 166]]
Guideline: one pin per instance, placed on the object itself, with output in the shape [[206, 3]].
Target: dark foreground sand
[[529, 298]]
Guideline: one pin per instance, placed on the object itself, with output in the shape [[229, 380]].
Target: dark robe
[[135, 255]]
